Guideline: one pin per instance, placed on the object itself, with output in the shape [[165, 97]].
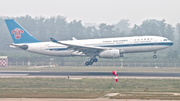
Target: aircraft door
[[155, 41], [131, 42]]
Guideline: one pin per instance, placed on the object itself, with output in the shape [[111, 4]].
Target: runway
[[98, 74]]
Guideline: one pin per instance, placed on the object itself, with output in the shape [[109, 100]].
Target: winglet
[[53, 40]]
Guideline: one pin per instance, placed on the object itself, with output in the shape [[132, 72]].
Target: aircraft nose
[[171, 43]]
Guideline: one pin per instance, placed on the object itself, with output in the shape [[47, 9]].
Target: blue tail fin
[[18, 33]]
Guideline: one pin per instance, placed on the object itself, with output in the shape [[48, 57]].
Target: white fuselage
[[124, 44]]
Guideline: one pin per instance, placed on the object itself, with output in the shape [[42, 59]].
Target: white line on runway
[[14, 74], [20, 71]]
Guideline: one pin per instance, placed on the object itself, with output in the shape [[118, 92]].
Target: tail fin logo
[[17, 32]]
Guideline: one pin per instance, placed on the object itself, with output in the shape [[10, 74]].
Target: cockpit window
[[165, 39]]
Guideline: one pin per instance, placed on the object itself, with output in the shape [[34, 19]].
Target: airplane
[[102, 47]]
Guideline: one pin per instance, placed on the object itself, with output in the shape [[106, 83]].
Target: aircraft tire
[[91, 60], [90, 63], [95, 60], [87, 63], [154, 56]]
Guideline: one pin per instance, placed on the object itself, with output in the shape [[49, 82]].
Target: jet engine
[[109, 54]]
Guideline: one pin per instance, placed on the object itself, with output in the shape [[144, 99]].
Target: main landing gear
[[154, 56], [90, 62]]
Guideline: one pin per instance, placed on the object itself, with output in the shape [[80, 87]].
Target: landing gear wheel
[[95, 60], [87, 63], [90, 63], [154, 56], [91, 60]]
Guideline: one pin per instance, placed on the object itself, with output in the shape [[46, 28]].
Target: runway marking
[[14, 74], [19, 71]]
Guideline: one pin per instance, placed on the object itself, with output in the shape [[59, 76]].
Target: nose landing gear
[[154, 56], [91, 61]]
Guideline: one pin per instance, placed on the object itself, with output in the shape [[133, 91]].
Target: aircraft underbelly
[[143, 48], [54, 53], [137, 49], [154, 47]]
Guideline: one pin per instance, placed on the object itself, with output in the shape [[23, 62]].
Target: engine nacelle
[[109, 54]]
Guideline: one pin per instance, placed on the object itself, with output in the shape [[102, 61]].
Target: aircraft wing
[[87, 50]]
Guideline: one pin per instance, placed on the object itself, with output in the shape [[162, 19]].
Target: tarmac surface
[[91, 74], [54, 99]]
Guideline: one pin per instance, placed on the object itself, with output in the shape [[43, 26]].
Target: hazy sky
[[96, 11]]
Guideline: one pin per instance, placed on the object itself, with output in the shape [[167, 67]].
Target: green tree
[[177, 40], [92, 32], [122, 27], [172, 54], [178, 31], [106, 30], [76, 29], [155, 28]]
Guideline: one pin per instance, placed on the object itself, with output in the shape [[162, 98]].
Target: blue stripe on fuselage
[[138, 44]]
